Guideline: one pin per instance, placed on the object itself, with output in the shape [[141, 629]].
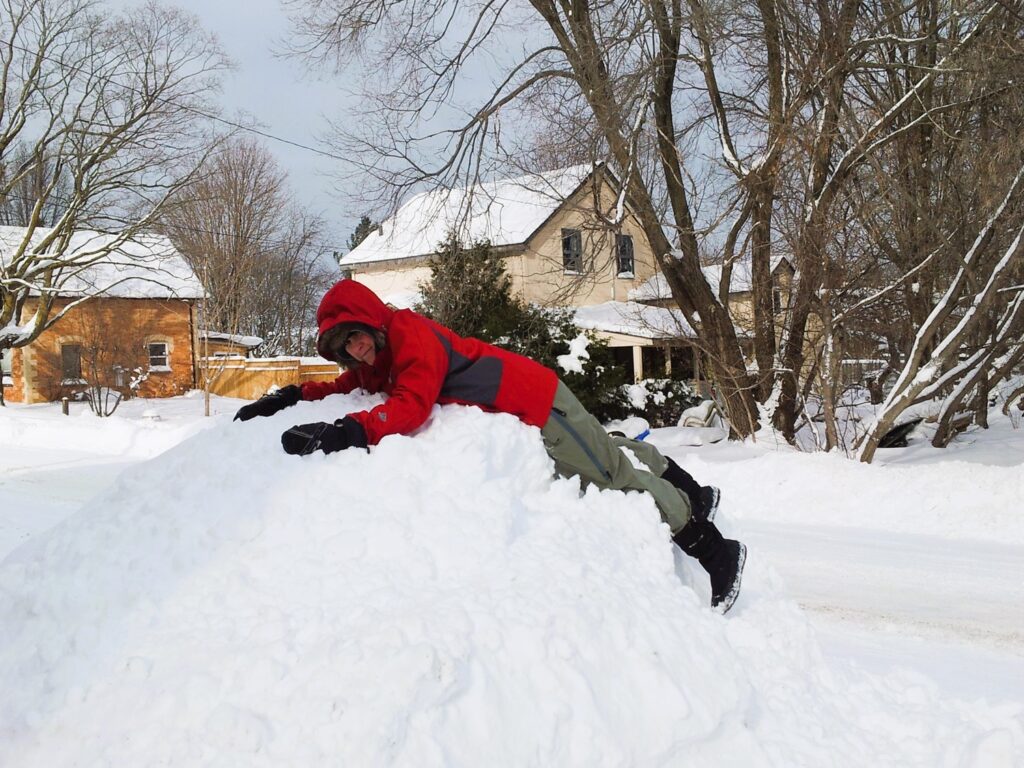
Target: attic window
[[158, 356], [572, 251], [624, 255]]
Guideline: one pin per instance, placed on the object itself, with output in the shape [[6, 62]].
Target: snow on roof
[[657, 287], [634, 319], [505, 212], [244, 341], [147, 266]]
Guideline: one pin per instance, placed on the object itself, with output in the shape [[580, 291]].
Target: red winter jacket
[[424, 363]]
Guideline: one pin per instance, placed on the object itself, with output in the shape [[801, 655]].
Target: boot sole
[[734, 591]]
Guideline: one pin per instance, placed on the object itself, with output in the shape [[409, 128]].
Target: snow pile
[[439, 601]]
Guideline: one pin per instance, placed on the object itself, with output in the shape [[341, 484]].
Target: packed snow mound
[[437, 601]]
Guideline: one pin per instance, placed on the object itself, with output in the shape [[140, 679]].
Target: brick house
[[138, 329]]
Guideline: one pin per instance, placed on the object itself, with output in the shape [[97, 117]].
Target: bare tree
[[103, 117], [934, 360], [17, 208], [258, 254], [741, 129]]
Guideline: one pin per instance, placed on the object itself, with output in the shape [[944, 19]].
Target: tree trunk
[[761, 287], [981, 402]]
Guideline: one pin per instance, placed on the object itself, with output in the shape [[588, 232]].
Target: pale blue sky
[[288, 101]]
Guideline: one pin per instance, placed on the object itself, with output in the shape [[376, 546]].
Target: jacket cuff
[[290, 394]]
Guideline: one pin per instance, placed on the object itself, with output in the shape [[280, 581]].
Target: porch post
[[638, 364]]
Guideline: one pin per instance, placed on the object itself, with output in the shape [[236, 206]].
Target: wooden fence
[[251, 377]]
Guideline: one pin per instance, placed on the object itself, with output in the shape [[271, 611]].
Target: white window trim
[[568, 270], [168, 347], [625, 274]]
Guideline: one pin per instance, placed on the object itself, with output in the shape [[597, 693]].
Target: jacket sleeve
[[318, 390], [419, 366]]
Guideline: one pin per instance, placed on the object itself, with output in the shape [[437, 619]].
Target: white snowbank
[[128, 432], [439, 601], [948, 499]]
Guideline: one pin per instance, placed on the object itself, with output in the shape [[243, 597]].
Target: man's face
[[359, 344]]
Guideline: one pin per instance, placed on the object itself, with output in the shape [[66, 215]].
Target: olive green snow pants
[[580, 446]]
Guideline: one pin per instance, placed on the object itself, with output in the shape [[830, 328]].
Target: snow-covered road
[[39, 488], [887, 599], [972, 591]]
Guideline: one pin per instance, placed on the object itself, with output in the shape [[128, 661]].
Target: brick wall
[[118, 330]]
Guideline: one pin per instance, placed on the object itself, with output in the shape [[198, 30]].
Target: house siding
[[393, 277], [535, 268], [538, 275]]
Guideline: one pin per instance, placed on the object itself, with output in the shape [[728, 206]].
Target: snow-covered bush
[[660, 401]]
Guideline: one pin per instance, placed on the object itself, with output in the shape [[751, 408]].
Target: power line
[[186, 108], [322, 245]]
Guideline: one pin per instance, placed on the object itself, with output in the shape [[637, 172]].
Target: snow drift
[[440, 601]]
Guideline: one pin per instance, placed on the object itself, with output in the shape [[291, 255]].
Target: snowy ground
[[175, 590]]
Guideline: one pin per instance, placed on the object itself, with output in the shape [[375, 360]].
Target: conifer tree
[[365, 226]]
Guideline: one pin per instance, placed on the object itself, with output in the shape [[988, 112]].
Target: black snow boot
[[722, 558], [703, 498], [709, 496]]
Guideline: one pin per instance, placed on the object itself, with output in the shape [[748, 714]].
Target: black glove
[[303, 439], [270, 404]]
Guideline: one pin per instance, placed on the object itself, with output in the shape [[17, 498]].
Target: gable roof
[[505, 212], [147, 266]]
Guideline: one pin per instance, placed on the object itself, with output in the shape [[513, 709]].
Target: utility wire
[[186, 108], [322, 245]]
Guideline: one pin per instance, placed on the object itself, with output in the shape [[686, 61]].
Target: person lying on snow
[[418, 363]]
